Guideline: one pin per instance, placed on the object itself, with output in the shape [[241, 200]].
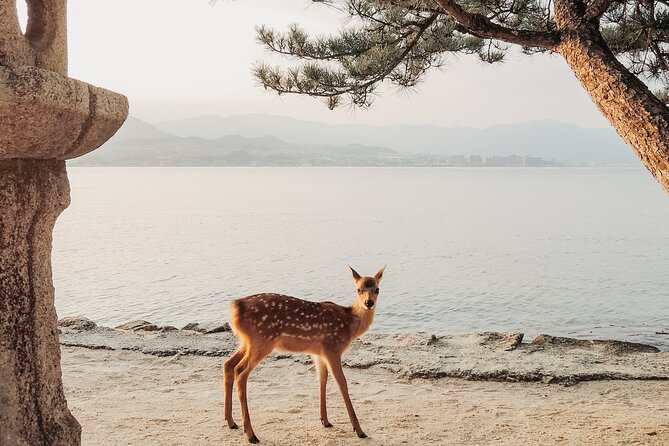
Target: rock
[[610, 346], [207, 328], [621, 347], [499, 341], [45, 118], [49, 115], [33, 410], [192, 326], [138, 325], [168, 328], [79, 323]]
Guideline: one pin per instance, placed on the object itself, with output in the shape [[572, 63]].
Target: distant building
[[475, 160], [457, 160], [533, 161], [515, 161], [495, 161]]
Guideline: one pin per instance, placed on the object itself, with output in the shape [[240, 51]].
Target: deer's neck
[[363, 318]]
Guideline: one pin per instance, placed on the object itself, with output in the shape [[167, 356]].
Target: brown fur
[[265, 322]]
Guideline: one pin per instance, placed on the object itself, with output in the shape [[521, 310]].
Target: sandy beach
[[125, 390]]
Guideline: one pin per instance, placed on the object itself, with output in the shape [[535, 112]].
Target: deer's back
[[290, 323]]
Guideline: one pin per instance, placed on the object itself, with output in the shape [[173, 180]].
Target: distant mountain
[[547, 139], [133, 129], [137, 143], [265, 140]]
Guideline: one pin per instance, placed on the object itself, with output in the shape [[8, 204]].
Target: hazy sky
[[181, 58]]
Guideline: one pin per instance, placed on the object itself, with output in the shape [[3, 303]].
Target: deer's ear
[[355, 274], [379, 275]]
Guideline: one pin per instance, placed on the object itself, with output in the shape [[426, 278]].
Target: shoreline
[[164, 388], [474, 356]]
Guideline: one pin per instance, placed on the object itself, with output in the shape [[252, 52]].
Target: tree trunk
[[33, 410], [638, 116]]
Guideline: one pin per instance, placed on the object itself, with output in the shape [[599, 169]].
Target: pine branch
[[318, 81], [481, 26]]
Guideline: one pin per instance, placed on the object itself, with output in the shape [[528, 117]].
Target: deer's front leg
[[228, 381], [322, 369], [334, 361], [251, 359]]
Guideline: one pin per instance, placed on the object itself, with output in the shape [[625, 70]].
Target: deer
[[266, 322]]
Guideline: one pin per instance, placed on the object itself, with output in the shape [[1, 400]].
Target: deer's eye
[[359, 291], [376, 291]]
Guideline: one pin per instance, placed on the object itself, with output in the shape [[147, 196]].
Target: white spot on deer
[[264, 317]]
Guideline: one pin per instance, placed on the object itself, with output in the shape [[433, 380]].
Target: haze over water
[[577, 252]]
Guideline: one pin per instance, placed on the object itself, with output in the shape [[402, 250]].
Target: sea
[[579, 252]]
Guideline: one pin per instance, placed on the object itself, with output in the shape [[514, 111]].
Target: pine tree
[[616, 49]]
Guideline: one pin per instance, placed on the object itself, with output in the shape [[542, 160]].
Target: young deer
[[264, 322]]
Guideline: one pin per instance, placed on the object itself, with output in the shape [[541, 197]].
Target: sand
[[126, 396]]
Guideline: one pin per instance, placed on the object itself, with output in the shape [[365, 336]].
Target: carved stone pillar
[[45, 118]]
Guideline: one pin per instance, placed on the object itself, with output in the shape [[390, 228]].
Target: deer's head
[[368, 288]]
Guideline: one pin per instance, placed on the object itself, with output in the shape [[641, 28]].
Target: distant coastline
[[266, 141], [248, 159]]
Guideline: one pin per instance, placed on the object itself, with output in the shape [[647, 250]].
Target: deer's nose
[[369, 303]]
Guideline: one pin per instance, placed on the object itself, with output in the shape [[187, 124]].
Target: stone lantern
[[45, 118]]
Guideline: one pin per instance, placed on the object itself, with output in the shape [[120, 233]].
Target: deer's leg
[[228, 381], [334, 361], [322, 369], [250, 360]]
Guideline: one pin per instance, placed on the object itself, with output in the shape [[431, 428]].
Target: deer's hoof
[[361, 434], [254, 439], [326, 423], [233, 425]]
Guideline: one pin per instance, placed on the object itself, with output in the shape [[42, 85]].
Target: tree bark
[[638, 116], [33, 410]]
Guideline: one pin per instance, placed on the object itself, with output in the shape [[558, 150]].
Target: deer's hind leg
[[322, 369], [228, 381], [253, 356]]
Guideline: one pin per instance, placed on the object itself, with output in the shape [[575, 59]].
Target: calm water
[[579, 252]]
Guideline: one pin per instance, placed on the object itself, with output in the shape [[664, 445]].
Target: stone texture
[[417, 355], [207, 328], [79, 323], [501, 341], [33, 410], [45, 118], [611, 346], [138, 325], [44, 44], [45, 115]]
